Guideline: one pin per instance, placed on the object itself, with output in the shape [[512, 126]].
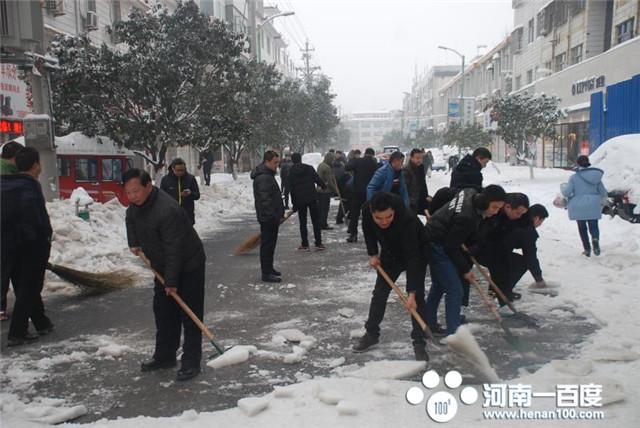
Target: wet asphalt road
[[240, 309]]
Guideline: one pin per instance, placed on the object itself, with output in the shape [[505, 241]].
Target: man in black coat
[[182, 187], [363, 169], [491, 250], [414, 178], [468, 172], [285, 168], [387, 222], [206, 162], [158, 227], [451, 226], [302, 182], [26, 233], [269, 211]]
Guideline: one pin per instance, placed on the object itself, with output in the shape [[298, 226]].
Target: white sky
[[370, 48]]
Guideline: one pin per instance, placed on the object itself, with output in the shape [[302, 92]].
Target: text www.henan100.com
[[557, 414]]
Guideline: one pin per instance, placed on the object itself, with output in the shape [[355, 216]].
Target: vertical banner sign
[[15, 94]]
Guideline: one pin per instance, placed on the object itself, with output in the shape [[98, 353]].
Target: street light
[[461, 76], [269, 19]]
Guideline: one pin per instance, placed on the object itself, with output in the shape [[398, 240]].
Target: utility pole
[[253, 29], [307, 70]]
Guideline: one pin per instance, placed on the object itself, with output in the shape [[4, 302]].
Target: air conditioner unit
[[92, 21], [56, 7]]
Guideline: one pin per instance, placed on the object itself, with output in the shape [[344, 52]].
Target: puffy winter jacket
[[174, 185], [162, 229], [266, 194], [468, 173], [585, 192], [302, 183], [455, 224], [416, 182], [382, 181], [403, 242]]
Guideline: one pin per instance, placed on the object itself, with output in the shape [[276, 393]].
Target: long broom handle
[[403, 298], [182, 304], [339, 195], [492, 284]]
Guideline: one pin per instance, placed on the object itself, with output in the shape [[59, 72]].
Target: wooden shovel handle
[[403, 298], [178, 299]]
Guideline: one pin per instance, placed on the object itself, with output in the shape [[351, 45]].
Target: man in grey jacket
[[158, 227]]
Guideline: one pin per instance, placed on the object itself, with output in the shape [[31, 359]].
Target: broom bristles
[[252, 242], [248, 244], [106, 281]]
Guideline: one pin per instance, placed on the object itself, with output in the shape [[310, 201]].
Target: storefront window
[[111, 169], [572, 140]]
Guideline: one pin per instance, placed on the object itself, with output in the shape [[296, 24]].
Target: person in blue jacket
[[389, 178], [585, 193]]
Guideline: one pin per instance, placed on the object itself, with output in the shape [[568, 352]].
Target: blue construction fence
[[616, 113]]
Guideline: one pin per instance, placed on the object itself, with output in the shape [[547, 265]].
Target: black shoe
[[44, 331], [439, 331], [340, 222], [276, 273], [320, 247], [352, 239], [22, 340], [303, 248], [463, 319], [365, 342], [596, 247], [153, 364], [515, 296], [420, 352], [270, 278], [587, 252], [186, 373], [327, 228]]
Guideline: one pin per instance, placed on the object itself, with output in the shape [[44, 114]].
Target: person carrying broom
[[385, 220], [161, 230]]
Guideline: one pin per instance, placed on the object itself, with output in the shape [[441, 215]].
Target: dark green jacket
[[7, 168]]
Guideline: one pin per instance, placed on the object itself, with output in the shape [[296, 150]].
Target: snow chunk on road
[[236, 355], [337, 362], [347, 408], [113, 350], [613, 353], [251, 406], [330, 398], [464, 344], [573, 367], [388, 370], [292, 335], [346, 312]]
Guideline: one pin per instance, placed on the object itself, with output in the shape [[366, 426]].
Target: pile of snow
[[100, 244], [313, 159], [619, 158]]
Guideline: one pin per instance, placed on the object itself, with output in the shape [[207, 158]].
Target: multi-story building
[[573, 49], [368, 128]]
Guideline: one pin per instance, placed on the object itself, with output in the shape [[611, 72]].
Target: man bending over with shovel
[[158, 228], [385, 220]]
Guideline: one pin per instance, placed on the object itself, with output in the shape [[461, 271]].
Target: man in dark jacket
[[451, 226], [7, 167], [269, 210], [302, 182], [363, 170], [340, 176], [386, 221], [491, 250], [182, 187], [414, 178], [26, 235], [285, 168], [468, 172], [206, 163], [160, 229]]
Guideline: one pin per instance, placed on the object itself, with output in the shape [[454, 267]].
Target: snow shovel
[[515, 342], [423, 325], [524, 317], [185, 308], [252, 242]]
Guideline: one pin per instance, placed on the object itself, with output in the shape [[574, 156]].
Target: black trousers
[[312, 207], [171, 319], [324, 202], [30, 265], [354, 213], [268, 240], [379, 302], [7, 274], [506, 269], [340, 215], [285, 195], [207, 175]]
